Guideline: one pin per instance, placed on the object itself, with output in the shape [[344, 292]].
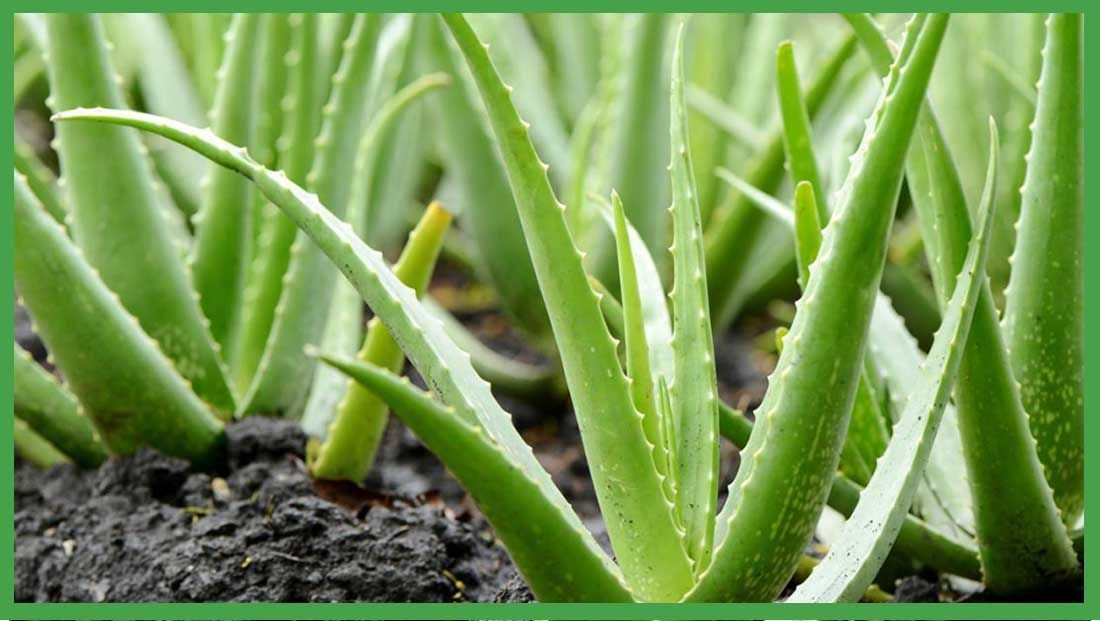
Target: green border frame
[[1090, 608]]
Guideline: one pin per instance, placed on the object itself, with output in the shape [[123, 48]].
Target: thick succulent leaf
[[555, 554], [522, 63], [637, 138], [639, 356], [1026, 547], [53, 413], [786, 469], [858, 554], [343, 332], [399, 166], [737, 229], [727, 119], [576, 40], [273, 246], [360, 416], [915, 539], [117, 219], [166, 89], [138, 398], [207, 48], [422, 336], [507, 375], [797, 133], [219, 256], [1044, 312], [35, 449], [694, 387], [762, 200], [39, 179], [488, 215], [282, 379], [807, 228], [640, 519]]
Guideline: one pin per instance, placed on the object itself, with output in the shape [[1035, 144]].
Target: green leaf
[[39, 179], [636, 138], [640, 520], [645, 365], [53, 413], [486, 210], [856, 557], [694, 387], [117, 218], [343, 331], [915, 539], [807, 228], [1044, 318], [34, 448], [138, 398], [797, 133], [737, 230], [558, 558], [281, 381], [166, 89], [1026, 547], [787, 466], [360, 417], [273, 248], [728, 120], [219, 256], [422, 336]]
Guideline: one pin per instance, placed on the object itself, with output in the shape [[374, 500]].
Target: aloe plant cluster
[[622, 225]]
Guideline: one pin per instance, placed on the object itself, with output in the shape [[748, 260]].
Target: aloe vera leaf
[[726, 119], [915, 539], [636, 322], [807, 228], [117, 219], [207, 48], [944, 499], [1012, 78], [219, 255], [139, 398], [425, 342], [762, 200], [532, 382], [299, 129], [582, 145], [694, 387], [643, 530], [638, 139], [398, 165], [39, 178], [486, 210], [797, 133], [35, 449], [915, 299], [854, 560], [343, 328], [1023, 546], [736, 229], [787, 465], [522, 63], [28, 69], [281, 381], [713, 44], [576, 40], [333, 30], [53, 413], [166, 89], [556, 556], [356, 431], [1044, 311]]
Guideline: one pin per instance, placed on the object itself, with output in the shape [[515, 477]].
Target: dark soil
[[146, 528]]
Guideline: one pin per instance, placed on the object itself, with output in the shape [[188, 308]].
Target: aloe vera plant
[[326, 130]]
